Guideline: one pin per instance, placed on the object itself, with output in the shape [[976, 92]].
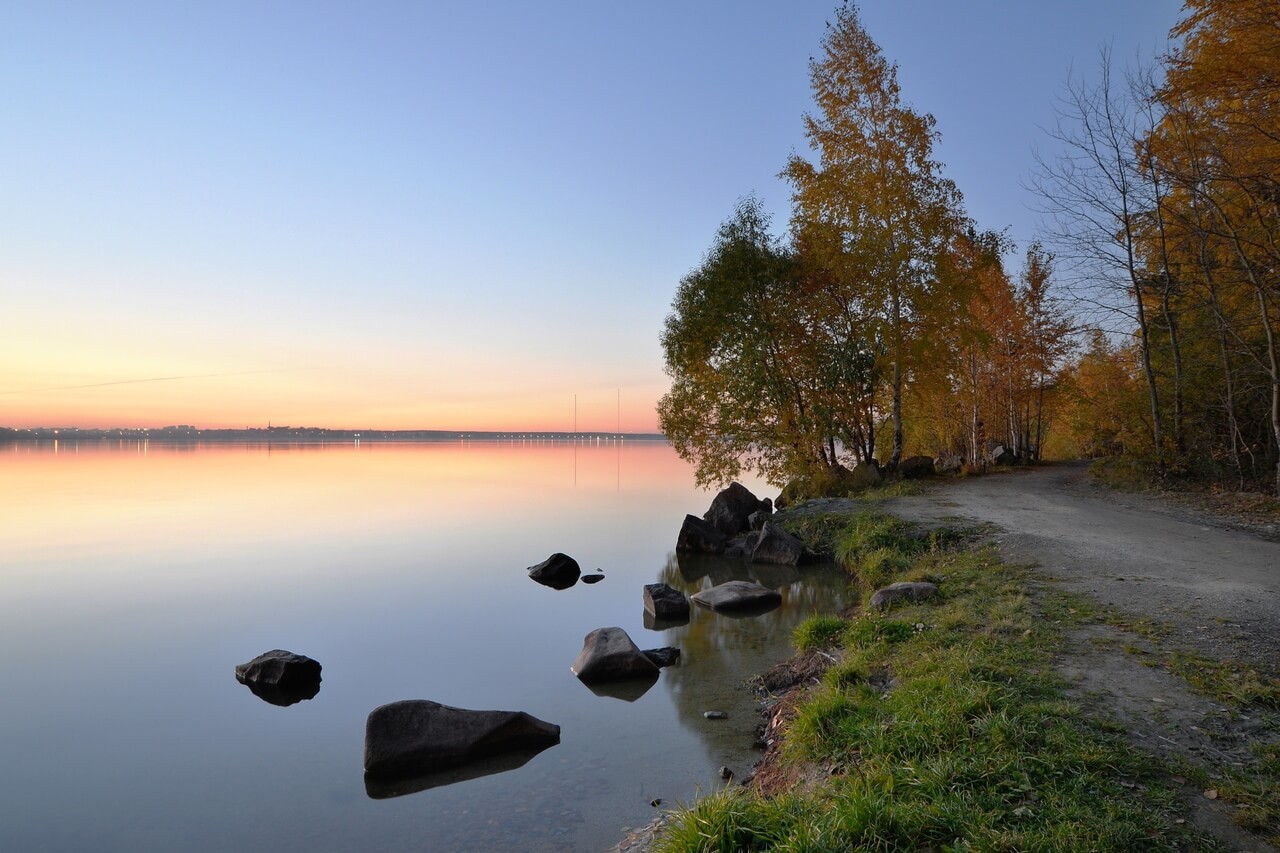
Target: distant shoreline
[[260, 435]]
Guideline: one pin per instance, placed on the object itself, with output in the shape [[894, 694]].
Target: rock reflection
[[653, 623], [628, 691], [385, 789], [283, 696], [720, 652]]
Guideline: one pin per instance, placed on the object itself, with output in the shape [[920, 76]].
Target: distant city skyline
[[456, 216]]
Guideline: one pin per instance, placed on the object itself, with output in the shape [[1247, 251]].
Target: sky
[[399, 215]]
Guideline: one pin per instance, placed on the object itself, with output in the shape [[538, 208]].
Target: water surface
[[134, 577]]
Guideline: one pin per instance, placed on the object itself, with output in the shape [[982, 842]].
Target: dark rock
[[862, 476], [665, 656], [726, 773], [665, 602], [1005, 457], [916, 467], [609, 655], [731, 508], [280, 677], [766, 505], [715, 715], [738, 595], [758, 518], [699, 537], [413, 737], [903, 591], [777, 546], [596, 578], [559, 571], [655, 623]]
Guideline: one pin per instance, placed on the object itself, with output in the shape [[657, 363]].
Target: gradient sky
[[440, 215]]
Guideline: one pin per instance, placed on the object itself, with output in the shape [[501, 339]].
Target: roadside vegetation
[[942, 726]]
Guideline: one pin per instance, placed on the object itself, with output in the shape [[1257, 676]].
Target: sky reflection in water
[[134, 579]]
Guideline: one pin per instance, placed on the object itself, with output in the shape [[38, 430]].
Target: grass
[[944, 728]]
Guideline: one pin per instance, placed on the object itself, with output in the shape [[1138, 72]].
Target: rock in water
[[596, 578], [903, 591], [777, 546], [559, 571], [665, 602], [281, 677], [731, 510], [418, 736], [738, 595], [665, 656], [698, 537], [609, 655]]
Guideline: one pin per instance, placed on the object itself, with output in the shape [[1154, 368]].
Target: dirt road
[[1213, 588], [1217, 588]]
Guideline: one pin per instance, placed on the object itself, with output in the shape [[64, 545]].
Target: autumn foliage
[[886, 323]]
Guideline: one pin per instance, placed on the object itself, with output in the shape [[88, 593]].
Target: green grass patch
[[944, 728], [818, 632]]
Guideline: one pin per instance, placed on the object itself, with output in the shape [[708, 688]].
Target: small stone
[[726, 773], [655, 802], [1211, 794], [715, 715], [596, 578]]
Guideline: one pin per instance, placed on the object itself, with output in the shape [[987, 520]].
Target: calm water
[[133, 579]]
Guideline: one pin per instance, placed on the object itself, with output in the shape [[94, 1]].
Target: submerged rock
[[738, 595], [608, 654], [281, 677], [559, 571], [903, 591], [665, 602], [665, 656], [698, 537], [417, 736]]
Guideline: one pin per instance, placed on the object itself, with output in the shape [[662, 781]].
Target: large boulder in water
[[559, 571], [699, 537], [281, 677], [731, 510], [916, 467], [738, 595], [608, 654], [417, 736], [777, 546], [665, 602]]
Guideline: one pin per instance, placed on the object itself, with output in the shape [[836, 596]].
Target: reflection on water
[[385, 789], [402, 568]]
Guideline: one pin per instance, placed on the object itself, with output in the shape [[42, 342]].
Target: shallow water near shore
[[134, 577]]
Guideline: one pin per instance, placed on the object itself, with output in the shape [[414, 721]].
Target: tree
[[874, 210], [761, 376], [1095, 199]]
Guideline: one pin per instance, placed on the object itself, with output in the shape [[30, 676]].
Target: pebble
[[726, 773], [715, 715]]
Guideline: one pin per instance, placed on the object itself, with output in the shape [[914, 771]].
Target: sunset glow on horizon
[[436, 216]]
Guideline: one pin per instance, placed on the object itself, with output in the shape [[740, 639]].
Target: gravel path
[[1218, 588]]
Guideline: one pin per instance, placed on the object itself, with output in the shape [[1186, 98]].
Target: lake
[[134, 577]]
